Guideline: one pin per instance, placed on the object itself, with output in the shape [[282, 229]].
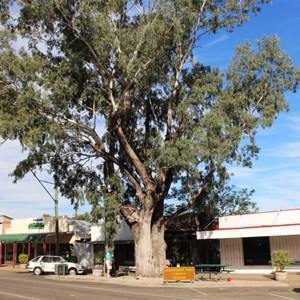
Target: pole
[[56, 211], [56, 224], [1, 254]]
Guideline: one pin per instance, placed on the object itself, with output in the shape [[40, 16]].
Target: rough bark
[[150, 248]]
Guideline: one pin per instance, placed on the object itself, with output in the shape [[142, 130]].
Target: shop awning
[[23, 237]]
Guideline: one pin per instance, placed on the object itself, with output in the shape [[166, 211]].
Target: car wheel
[[72, 272], [37, 271]]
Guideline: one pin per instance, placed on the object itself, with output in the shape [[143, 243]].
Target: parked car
[[50, 263]]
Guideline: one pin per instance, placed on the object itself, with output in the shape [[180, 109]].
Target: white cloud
[[241, 172], [217, 41], [293, 122], [285, 150], [262, 168], [271, 203], [27, 198]]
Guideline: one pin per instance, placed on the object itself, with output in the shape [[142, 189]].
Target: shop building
[[37, 236], [247, 241], [124, 245]]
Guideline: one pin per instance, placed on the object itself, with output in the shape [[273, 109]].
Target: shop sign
[[37, 223]]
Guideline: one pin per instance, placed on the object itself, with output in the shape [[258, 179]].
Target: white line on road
[[159, 296], [282, 297], [204, 294], [19, 296]]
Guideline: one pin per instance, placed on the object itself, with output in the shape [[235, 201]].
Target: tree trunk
[[150, 248]]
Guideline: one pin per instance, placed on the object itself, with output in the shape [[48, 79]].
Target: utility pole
[[56, 223], [56, 210]]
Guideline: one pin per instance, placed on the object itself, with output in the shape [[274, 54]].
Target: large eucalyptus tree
[[108, 95]]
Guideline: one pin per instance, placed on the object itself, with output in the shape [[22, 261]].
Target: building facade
[[247, 241], [123, 247], [37, 236]]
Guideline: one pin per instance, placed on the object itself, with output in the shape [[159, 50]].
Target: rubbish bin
[[61, 269]]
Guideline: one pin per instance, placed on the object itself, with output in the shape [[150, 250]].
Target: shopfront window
[[256, 251], [39, 249], [9, 252]]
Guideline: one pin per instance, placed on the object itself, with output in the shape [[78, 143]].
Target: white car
[[50, 263]]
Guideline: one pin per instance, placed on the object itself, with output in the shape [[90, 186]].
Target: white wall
[[123, 234], [279, 223], [290, 243], [232, 254], [248, 232], [231, 251], [281, 217], [21, 226]]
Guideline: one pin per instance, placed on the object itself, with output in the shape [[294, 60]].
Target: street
[[27, 286]]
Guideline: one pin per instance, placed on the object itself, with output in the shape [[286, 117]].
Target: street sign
[[179, 274]]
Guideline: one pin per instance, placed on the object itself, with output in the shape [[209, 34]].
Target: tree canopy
[[109, 96]]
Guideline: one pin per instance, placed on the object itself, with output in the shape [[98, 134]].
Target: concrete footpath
[[226, 280]]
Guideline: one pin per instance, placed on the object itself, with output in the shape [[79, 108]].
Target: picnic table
[[212, 269]]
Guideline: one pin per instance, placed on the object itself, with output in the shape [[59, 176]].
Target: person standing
[[108, 262]]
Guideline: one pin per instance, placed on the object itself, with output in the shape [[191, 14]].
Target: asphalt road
[[30, 287]]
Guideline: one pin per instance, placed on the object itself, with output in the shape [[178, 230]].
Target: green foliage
[[23, 258], [85, 217], [46, 215], [99, 258], [280, 259], [220, 201], [111, 212], [73, 259]]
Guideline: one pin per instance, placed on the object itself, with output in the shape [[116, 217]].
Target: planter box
[[23, 266], [281, 276]]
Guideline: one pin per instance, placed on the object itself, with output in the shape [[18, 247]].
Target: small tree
[[280, 259]]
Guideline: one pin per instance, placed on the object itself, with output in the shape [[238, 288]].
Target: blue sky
[[275, 176]]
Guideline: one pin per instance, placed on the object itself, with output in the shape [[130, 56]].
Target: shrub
[[99, 258], [73, 259], [23, 258], [280, 259]]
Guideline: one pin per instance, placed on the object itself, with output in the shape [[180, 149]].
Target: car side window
[[57, 260], [47, 259]]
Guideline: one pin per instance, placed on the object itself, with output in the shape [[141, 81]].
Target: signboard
[[179, 274], [37, 223]]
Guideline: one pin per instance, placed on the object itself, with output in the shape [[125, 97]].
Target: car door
[[47, 264], [57, 260]]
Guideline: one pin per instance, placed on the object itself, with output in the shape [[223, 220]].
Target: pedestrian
[[108, 262]]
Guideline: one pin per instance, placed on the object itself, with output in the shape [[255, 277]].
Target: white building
[[124, 245], [37, 236], [246, 241]]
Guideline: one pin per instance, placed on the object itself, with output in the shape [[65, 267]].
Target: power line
[[41, 183]]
